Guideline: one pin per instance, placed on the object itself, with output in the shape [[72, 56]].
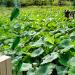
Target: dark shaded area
[[66, 12], [9, 4], [61, 3], [24, 73], [69, 14], [54, 72]]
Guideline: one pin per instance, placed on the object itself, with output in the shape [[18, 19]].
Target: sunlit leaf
[[66, 49], [25, 67], [37, 52], [50, 58], [39, 42], [50, 39]]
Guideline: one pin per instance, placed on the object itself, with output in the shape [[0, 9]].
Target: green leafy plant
[[38, 43]]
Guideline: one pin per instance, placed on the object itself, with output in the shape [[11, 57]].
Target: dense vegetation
[[36, 2], [40, 41]]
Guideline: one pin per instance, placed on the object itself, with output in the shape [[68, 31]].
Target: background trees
[[35, 2]]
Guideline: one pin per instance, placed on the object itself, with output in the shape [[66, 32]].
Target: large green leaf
[[72, 35], [45, 69], [15, 42], [37, 52], [50, 58], [61, 70], [64, 43], [64, 58], [14, 13], [66, 49], [25, 66], [71, 62], [71, 71], [39, 42]]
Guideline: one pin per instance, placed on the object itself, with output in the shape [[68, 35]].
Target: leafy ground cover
[[40, 41]]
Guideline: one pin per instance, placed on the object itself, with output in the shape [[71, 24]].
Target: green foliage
[[50, 58], [38, 43], [25, 67], [14, 13], [45, 69], [37, 52], [24, 3], [15, 42]]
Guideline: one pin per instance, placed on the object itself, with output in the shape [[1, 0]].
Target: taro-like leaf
[[64, 43], [25, 66], [37, 52], [71, 62], [50, 58], [72, 35], [45, 69], [71, 71], [39, 42], [61, 70], [14, 13], [66, 49], [15, 42], [64, 58]]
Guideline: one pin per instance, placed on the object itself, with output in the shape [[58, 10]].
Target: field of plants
[[40, 40]]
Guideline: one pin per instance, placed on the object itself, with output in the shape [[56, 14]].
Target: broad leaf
[[61, 70], [64, 43], [72, 35], [71, 62], [71, 71], [50, 58], [64, 58], [25, 67], [45, 69], [37, 52], [66, 49], [39, 42]]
